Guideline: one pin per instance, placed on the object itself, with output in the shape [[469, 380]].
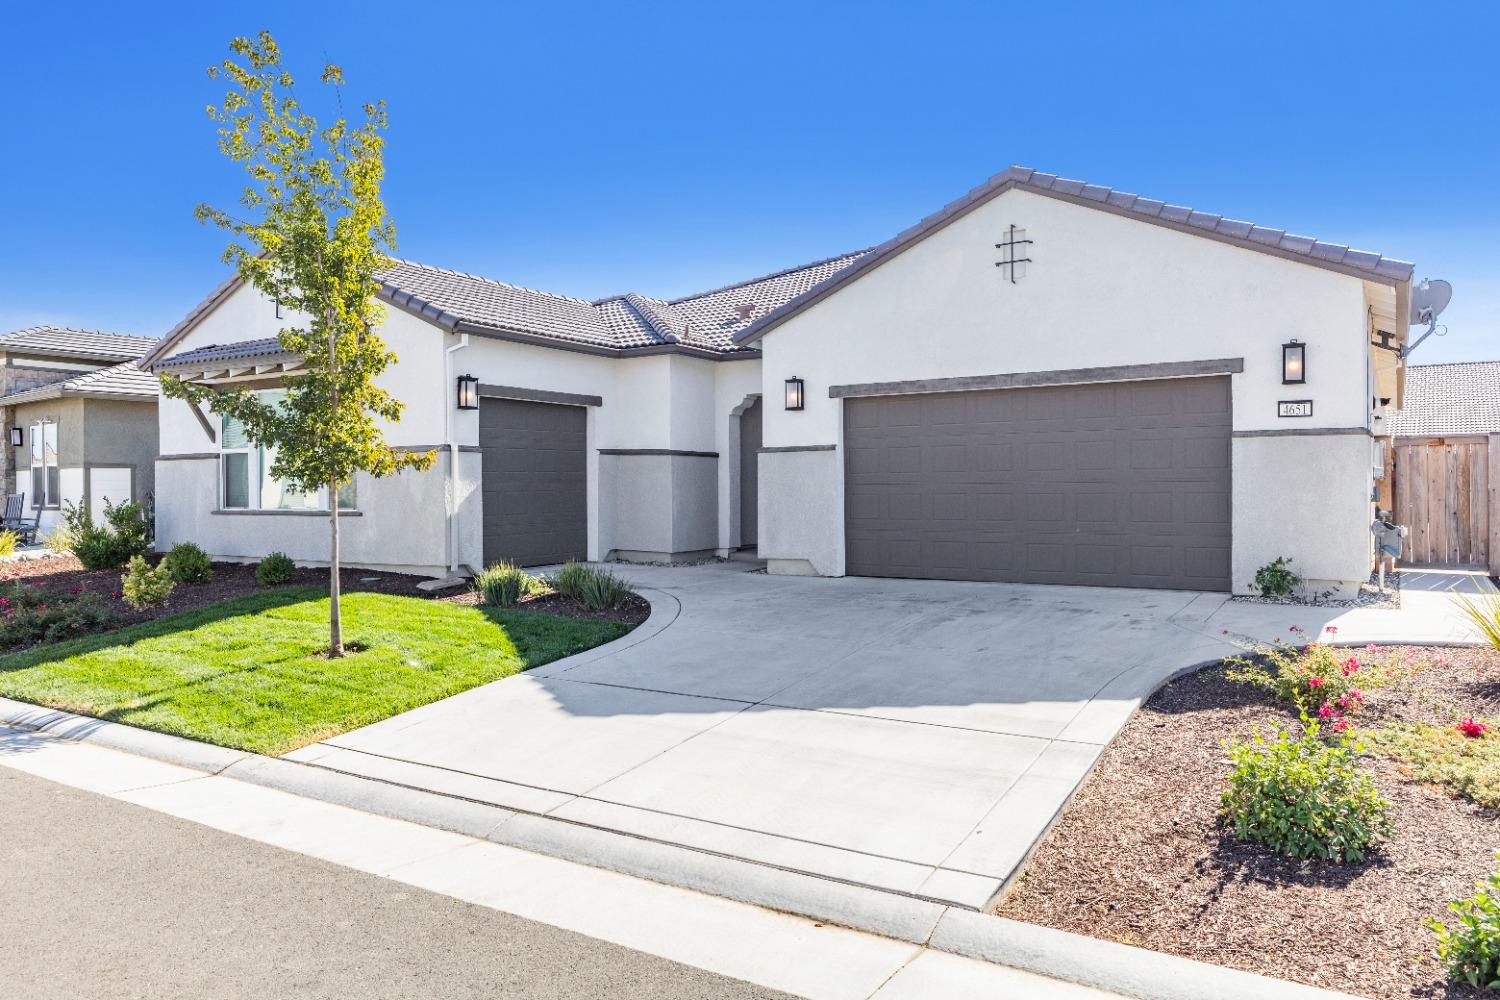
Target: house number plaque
[[1294, 408]]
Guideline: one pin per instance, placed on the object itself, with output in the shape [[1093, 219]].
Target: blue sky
[[664, 149]]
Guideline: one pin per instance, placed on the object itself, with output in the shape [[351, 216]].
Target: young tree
[[313, 237]]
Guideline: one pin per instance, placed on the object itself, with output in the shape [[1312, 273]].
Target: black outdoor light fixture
[[468, 392], [1293, 363], [794, 393], [17, 438]]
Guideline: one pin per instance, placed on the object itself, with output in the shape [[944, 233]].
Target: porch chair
[[15, 518]]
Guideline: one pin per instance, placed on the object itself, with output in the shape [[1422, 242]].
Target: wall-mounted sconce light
[[17, 437], [794, 393], [468, 392], [1293, 363]]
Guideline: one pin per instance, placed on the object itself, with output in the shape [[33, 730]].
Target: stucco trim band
[[1304, 432], [658, 451], [538, 395], [798, 447], [1064, 376], [188, 456]]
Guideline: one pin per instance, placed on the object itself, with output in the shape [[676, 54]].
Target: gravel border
[[1369, 596]]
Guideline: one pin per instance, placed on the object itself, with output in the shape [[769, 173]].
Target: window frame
[[38, 431], [259, 459]]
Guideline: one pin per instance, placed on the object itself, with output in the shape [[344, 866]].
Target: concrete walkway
[[915, 737]]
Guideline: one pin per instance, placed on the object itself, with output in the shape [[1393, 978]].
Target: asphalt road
[[106, 900]]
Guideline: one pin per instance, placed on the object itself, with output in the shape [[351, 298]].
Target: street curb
[[1106, 965], [1118, 968]]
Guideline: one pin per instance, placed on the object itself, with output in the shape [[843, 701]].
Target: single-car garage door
[[1113, 484], [534, 480]]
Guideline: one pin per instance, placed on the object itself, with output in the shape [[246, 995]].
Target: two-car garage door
[[1114, 484]]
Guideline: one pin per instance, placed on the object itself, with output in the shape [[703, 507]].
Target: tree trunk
[[335, 623]]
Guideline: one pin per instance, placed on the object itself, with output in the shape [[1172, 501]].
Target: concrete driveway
[[912, 736]]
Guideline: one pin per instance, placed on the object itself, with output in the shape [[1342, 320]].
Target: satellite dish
[[1429, 299]]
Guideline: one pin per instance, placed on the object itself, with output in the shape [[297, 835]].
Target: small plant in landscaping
[[1315, 678], [601, 589], [1471, 727], [275, 569], [594, 587], [1465, 764], [30, 614], [1471, 948], [145, 586], [1303, 796], [1484, 615], [59, 540], [568, 581], [188, 563], [8, 542], [504, 584], [112, 544], [1276, 579]]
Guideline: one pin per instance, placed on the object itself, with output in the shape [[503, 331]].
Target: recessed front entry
[[750, 442], [534, 476], [1112, 484]]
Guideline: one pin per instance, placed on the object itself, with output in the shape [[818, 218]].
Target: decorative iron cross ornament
[[1014, 254]]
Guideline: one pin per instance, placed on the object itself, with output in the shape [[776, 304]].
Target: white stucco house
[[1045, 381]]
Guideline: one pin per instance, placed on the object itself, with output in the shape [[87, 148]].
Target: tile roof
[[66, 341], [1336, 256], [705, 321], [124, 381], [243, 350], [1460, 398]]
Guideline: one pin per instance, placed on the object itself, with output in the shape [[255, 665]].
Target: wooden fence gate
[[1447, 491]]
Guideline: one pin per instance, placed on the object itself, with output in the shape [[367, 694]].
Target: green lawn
[[246, 673]]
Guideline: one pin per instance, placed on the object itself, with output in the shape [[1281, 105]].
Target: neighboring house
[[1045, 381], [55, 380], [1451, 400]]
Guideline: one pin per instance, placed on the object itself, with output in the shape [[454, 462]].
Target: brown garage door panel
[[1123, 484], [534, 481]]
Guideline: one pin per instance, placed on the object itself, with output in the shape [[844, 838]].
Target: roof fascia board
[[957, 210]]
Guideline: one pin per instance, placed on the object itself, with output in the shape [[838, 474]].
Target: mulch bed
[[1138, 857], [61, 574]]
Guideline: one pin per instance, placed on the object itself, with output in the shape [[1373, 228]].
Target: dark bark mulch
[[61, 574], [1138, 857]]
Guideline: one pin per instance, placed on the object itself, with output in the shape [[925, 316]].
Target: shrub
[[8, 542], [1276, 579], [568, 581], [1471, 948], [30, 614], [145, 586], [1303, 797], [59, 540], [276, 568], [504, 584], [188, 563], [600, 589], [112, 544], [1317, 679]]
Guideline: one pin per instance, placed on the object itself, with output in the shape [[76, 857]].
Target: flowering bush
[[1303, 797], [1319, 680], [1445, 755], [1471, 948], [29, 614]]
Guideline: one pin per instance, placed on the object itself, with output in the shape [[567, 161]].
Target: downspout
[[451, 434]]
